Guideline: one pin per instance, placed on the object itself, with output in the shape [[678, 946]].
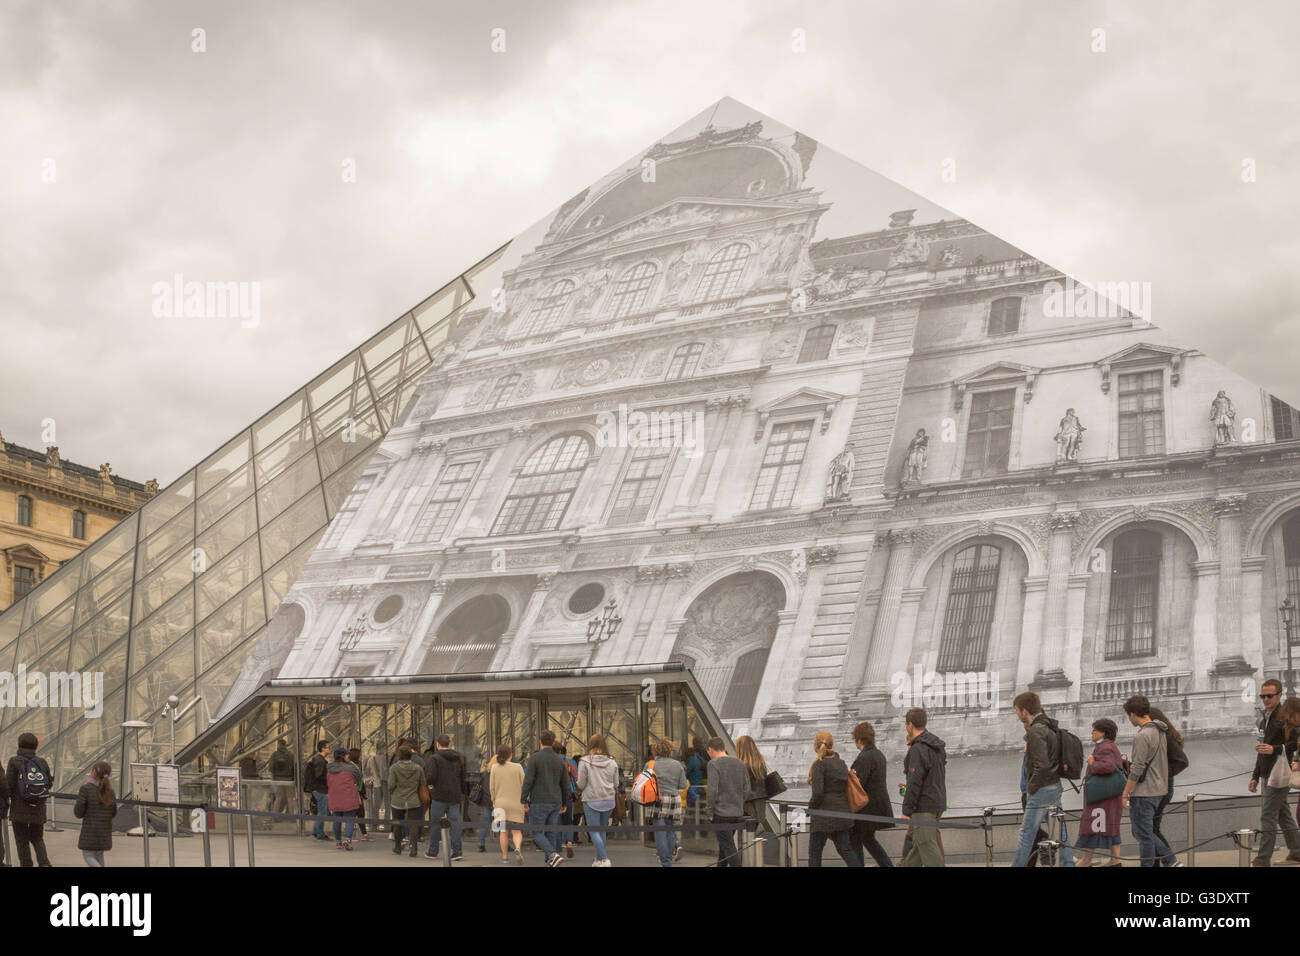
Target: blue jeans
[[665, 840], [322, 811], [1040, 802], [597, 818], [485, 821], [339, 825], [545, 814], [436, 809], [1141, 816]]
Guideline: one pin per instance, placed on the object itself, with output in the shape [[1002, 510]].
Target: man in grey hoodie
[[1148, 781]]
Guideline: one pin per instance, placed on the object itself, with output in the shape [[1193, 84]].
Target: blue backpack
[[33, 780]]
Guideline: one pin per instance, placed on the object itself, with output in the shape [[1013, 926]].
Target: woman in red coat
[[1099, 822]]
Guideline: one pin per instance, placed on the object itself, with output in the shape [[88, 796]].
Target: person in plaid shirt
[[666, 814]]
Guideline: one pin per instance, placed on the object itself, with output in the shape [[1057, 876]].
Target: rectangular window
[[988, 434], [1134, 589], [817, 344], [79, 524], [25, 511], [1286, 425], [1004, 316], [780, 468], [968, 619], [453, 485], [1141, 414], [24, 580], [343, 520], [640, 483]]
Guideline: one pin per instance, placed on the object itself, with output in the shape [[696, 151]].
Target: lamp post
[[1288, 611], [602, 628]]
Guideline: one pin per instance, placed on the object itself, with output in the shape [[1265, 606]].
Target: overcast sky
[[225, 165]]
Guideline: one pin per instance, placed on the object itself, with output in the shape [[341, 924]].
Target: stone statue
[[841, 474], [914, 466], [52, 456], [1222, 414], [1069, 436], [151, 486], [105, 472]]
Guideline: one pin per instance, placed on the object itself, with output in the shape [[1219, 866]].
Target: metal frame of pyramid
[[172, 598]]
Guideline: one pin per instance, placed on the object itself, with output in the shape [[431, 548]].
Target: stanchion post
[[251, 859], [784, 846], [230, 838], [1191, 829], [988, 835], [171, 837], [1243, 846], [207, 840], [144, 834]]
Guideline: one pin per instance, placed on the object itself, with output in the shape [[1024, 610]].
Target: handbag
[[425, 796], [1103, 786], [857, 796], [620, 807], [773, 783]]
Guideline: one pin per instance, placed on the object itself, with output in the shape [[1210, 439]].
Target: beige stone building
[[50, 509]]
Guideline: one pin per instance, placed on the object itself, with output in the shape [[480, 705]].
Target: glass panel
[[402, 367], [41, 721], [291, 485], [111, 546], [154, 636], [104, 589], [226, 579], [48, 632], [387, 344], [466, 723], [8, 640], [615, 716], [217, 502], [441, 304], [85, 741], [164, 676], [169, 503], [279, 420], [165, 542], [45, 599], [154, 745], [285, 532], [234, 622], [280, 578], [326, 720], [218, 466], [342, 377], [216, 684], [284, 451], [102, 632], [153, 592], [234, 529], [336, 451], [342, 482], [566, 715]]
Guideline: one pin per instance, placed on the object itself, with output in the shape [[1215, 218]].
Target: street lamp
[[1288, 610], [600, 629]]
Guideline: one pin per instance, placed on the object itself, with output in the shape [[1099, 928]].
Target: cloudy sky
[[126, 158]]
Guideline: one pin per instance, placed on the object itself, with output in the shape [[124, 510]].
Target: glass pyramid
[[171, 600]]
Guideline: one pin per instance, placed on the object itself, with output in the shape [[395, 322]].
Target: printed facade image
[[749, 407]]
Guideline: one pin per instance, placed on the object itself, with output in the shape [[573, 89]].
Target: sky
[[1120, 142]]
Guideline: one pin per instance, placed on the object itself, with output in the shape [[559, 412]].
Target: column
[[513, 654], [717, 461], [897, 571], [413, 654], [1228, 658], [1051, 662]]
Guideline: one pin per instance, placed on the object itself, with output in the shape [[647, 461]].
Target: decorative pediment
[[26, 554], [997, 374], [670, 219], [1144, 353], [810, 401]]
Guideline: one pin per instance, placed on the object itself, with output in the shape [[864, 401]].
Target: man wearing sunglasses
[[1275, 812]]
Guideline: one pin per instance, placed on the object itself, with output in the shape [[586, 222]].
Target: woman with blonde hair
[[756, 796], [829, 778], [506, 786]]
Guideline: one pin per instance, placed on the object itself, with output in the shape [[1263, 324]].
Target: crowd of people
[[548, 795]]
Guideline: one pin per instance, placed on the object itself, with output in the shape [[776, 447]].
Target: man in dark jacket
[[28, 816], [315, 773], [282, 776], [925, 795], [4, 814], [1042, 777], [446, 778], [545, 783]]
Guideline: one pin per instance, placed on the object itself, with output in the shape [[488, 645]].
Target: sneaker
[[339, 845], [482, 848], [456, 857], [431, 854], [568, 850], [366, 836], [677, 852], [1260, 863], [1293, 857], [605, 862], [519, 858], [347, 844], [1175, 863]]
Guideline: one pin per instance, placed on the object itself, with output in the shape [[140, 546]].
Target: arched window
[[79, 524], [742, 692], [685, 360], [1134, 595], [503, 390], [24, 510], [468, 638], [549, 309], [545, 486], [817, 343], [968, 618], [1004, 315], [722, 275], [632, 289], [1291, 549]]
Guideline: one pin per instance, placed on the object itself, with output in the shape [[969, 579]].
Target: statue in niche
[[841, 474], [52, 456], [1069, 437], [917, 456], [1222, 414]]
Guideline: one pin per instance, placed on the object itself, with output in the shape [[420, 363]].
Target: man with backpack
[[30, 783], [1045, 760], [315, 781], [1148, 781]]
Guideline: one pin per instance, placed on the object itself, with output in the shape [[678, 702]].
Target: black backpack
[[33, 781], [309, 775], [1071, 754], [1178, 761], [282, 764]]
